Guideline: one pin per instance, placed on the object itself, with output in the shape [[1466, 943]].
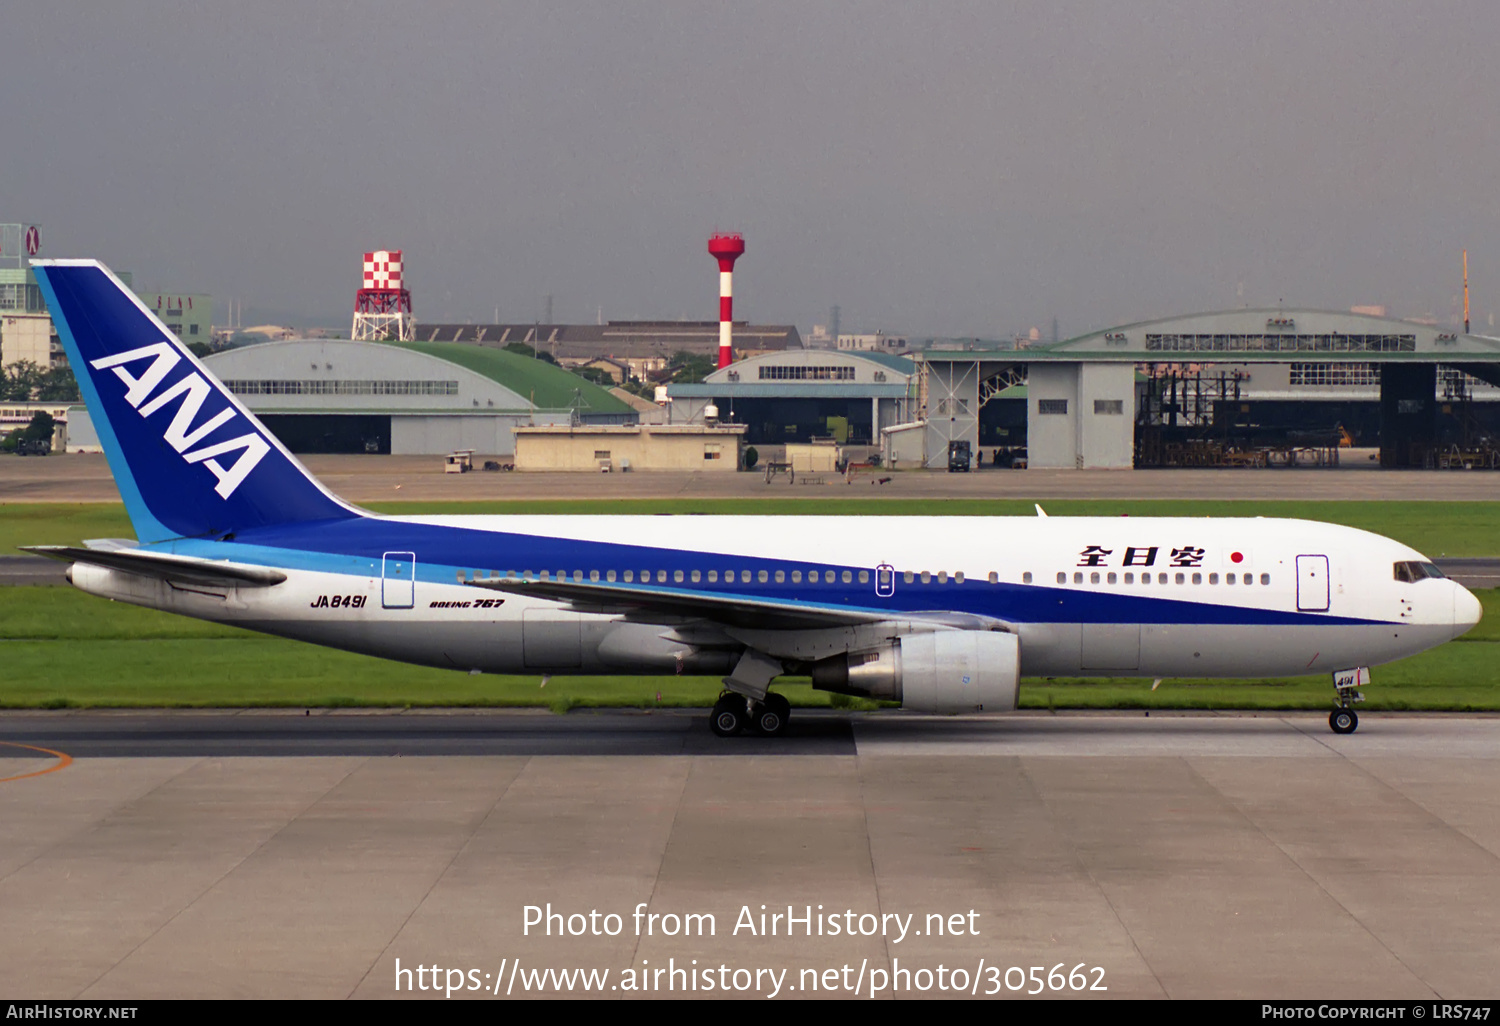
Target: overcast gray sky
[[942, 168]]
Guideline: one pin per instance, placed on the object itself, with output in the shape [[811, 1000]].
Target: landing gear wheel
[[729, 716], [1343, 721], [771, 716]]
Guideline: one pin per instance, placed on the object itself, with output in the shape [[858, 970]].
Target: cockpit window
[[1411, 571]]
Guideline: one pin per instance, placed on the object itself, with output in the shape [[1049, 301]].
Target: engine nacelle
[[941, 672]]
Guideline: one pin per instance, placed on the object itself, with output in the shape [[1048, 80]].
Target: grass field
[[1436, 529], [61, 648]]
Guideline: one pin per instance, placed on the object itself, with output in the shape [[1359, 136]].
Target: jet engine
[[941, 672]]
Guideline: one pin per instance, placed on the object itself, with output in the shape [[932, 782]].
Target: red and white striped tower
[[382, 306], [726, 249]]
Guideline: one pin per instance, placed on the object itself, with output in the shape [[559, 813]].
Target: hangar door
[[1312, 584]]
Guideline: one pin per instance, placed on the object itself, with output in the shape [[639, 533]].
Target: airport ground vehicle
[[960, 457]]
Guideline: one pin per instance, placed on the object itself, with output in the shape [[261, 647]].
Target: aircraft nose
[[1466, 610]]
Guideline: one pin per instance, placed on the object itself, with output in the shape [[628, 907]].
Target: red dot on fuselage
[[1237, 557]]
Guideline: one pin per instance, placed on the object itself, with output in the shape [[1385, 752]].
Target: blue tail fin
[[189, 460]]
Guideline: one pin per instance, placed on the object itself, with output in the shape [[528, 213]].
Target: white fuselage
[[1149, 597]]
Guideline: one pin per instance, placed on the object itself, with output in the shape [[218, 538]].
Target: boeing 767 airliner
[[939, 614]]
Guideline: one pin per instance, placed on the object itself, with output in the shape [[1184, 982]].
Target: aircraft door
[[1312, 584], [885, 580], [398, 572]]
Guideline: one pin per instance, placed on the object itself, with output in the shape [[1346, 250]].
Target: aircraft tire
[[772, 716], [1343, 721], [728, 717]]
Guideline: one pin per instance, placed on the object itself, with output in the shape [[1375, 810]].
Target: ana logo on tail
[[192, 389]]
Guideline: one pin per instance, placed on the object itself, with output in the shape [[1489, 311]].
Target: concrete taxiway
[[1186, 855], [84, 477]]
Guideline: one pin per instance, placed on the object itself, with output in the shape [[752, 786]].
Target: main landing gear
[[734, 713], [1346, 683]]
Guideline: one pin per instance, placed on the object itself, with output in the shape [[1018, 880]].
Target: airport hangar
[[795, 395], [1087, 398], [329, 395], [640, 348]]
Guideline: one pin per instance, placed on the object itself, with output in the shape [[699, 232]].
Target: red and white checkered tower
[[726, 249], [382, 306]]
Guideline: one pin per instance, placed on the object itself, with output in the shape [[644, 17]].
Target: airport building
[[26, 333], [328, 395], [640, 347], [188, 315], [798, 395], [1241, 387], [697, 447]]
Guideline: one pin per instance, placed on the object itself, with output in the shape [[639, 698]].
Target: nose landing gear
[[1346, 683], [1343, 721]]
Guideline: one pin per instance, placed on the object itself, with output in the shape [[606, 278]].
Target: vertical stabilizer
[[189, 460]]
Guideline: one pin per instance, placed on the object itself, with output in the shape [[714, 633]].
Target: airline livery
[[940, 614]]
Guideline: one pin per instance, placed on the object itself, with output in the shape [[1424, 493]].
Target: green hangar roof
[[548, 386], [1240, 336], [343, 376]]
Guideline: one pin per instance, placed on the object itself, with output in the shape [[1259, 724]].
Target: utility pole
[[1466, 292]]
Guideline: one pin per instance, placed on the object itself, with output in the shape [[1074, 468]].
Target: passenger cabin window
[[1062, 578], [1025, 578]]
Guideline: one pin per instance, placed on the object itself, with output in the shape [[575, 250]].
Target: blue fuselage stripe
[[355, 547]]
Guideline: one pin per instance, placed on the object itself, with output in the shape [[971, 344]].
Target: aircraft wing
[[653, 604], [178, 569]]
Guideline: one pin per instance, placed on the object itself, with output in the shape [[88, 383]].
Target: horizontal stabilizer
[[651, 604], [180, 569]]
